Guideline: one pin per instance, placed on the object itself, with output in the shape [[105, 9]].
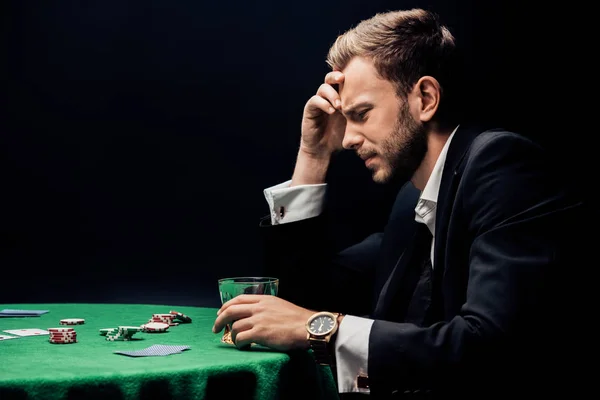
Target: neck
[[436, 139]]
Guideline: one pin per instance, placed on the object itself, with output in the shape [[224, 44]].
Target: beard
[[403, 150]]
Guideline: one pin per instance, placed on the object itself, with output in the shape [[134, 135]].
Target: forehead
[[362, 83]]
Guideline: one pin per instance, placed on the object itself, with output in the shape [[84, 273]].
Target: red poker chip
[[181, 316], [62, 341]]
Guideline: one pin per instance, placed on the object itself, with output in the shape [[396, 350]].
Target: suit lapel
[[451, 175], [401, 280], [399, 287]]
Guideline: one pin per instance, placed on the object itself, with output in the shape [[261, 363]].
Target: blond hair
[[404, 46]]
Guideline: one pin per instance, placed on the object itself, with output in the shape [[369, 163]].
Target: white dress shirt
[[289, 204]]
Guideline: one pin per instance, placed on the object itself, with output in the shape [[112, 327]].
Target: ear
[[427, 91]]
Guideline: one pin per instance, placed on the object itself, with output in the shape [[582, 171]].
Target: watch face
[[321, 325]]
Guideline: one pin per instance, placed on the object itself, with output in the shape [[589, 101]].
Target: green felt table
[[33, 368]]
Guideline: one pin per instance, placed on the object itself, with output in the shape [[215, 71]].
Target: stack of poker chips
[[162, 322], [181, 317], [155, 327], [62, 335], [168, 319], [122, 333]]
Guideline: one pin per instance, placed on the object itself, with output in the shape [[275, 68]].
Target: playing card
[[155, 350], [27, 332], [23, 312], [6, 337]]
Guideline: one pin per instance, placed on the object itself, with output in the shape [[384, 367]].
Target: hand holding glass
[[232, 287]]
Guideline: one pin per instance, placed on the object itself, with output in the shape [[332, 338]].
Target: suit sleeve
[[516, 216]]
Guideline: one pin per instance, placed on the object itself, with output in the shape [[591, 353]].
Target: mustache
[[364, 154]]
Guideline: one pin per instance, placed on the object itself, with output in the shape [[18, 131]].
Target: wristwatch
[[321, 327]]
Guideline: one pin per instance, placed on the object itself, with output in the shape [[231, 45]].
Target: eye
[[361, 115]]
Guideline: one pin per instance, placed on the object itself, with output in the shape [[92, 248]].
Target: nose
[[352, 139]]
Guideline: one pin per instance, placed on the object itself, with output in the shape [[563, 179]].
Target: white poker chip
[[155, 327], [72, 321], [51, 330]]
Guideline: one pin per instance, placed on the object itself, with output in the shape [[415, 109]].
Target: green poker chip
[[105, 331]]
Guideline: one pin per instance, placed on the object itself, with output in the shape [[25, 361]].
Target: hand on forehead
[[360, 82]]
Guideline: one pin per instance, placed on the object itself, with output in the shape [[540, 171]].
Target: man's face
[[379, 125]]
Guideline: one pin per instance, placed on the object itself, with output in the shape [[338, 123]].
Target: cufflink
[[281, 212]]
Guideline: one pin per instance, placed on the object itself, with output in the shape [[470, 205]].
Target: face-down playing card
[[155, 350], [27, 332]]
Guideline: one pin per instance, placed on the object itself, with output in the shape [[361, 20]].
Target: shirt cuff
[[289, 204], [352, 352]]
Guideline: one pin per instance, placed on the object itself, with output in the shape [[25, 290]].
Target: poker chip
[[62, 335], [60, 330], [105, 331], [130, 329], [62, 341], [72, 321], [154, 327], [181, 316], [122, 333], [164, 318]]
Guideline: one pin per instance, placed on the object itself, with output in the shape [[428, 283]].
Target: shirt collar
[[425, 209], [432, 188]]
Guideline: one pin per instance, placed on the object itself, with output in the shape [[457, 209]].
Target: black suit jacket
[[503, 281]]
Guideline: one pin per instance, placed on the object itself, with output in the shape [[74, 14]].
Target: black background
[[137, 136]]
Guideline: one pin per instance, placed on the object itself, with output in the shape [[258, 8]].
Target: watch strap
[[321, 351]]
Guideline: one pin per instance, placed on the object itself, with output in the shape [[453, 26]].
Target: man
[[462, 284]]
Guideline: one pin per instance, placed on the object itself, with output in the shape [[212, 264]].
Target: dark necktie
[[418, 311], [418, 307], [406, 296]]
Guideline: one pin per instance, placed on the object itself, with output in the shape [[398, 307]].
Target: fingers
[[327, 92], [241, 299], [243, 339], [334, 77], [317, 105], [327, 99], [232, 313], [241, 327]]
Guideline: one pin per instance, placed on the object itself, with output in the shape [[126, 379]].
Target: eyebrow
[[352, 109]]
